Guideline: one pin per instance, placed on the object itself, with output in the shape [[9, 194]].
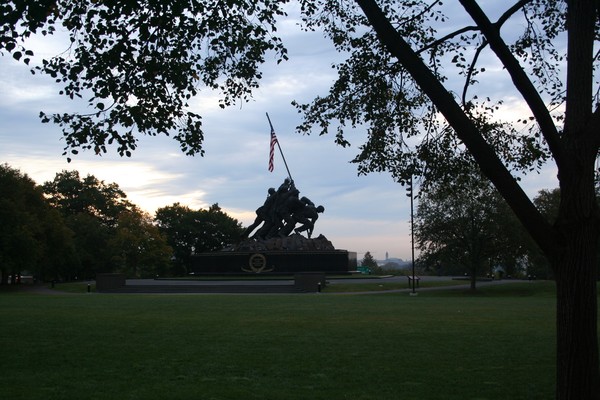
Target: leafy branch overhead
[[376, 91], [138, 64]]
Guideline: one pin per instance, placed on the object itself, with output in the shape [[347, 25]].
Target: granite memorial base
[[309, 281], [278, 255], [274, 262], [107, 282]]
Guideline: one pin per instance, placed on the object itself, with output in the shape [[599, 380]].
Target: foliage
[[177, 223], [218, 230], [464, 227], [91, 244], [457, 223], [513, 244], [74, 195], [59, 248], [368, 260], [138, 248], [33, 236], [136, 64], [195, 231], [547, 201], [374, 89], [72, 228], [110, 232], [511, 247], [91, 209]]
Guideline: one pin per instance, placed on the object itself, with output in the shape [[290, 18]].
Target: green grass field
[[497, 344]]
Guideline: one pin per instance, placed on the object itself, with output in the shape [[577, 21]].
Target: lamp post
[[412, 232]]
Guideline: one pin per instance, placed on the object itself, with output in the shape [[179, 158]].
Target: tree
[[91, 209], [138, 248], [218, 230], [58, 248], [19, 228], [394, 82], [513, 243], [91, 245], [548, 202], [138, 62], [177, 224], [33, 236], [74, 195], [457, 223], [196, 231], [369, 261]]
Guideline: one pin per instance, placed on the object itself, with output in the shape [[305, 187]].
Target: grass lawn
[[498, 344]]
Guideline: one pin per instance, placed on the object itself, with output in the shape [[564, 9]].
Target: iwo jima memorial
[[275, 243]]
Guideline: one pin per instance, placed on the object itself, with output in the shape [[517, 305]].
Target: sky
[[362, 213]]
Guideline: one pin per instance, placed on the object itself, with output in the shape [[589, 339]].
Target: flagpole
[[279, 147]]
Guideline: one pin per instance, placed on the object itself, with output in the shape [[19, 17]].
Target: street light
[[409, 193]]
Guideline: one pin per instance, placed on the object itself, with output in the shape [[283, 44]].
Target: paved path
[[460, 284], [275, 286], [39, 289]]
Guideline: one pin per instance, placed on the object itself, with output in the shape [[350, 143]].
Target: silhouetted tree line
[[463, 227], [73, 228]]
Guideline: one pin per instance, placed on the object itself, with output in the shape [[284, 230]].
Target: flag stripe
[[272, 150]]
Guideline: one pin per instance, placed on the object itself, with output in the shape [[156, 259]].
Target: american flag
[[272, 150]]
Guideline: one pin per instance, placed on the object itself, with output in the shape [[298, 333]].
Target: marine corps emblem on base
[[257, 263]]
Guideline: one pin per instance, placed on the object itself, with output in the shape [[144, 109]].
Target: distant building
[[393, 263]]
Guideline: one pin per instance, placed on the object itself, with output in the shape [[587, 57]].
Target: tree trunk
[[578, 376], [575, 264], [578, 222], [474, 269], [473, 279]]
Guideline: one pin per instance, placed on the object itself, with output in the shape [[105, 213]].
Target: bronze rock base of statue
[[295, 242]]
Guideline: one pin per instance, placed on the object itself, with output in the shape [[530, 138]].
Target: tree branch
[[447, 37], [519, 78], [503, 18], [485, 156], [509, 13], [471, 69], [424, 11]]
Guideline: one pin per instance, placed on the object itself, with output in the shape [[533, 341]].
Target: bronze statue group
[[282, 211]]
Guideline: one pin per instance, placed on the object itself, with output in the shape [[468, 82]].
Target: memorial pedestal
[[274, 262]]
